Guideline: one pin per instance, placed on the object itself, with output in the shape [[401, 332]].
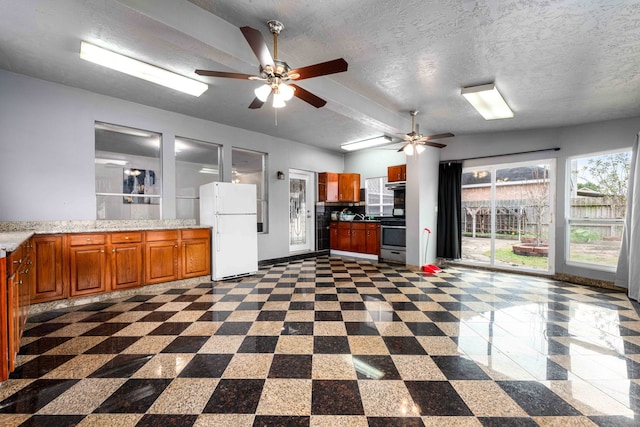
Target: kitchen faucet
[[360, 216]]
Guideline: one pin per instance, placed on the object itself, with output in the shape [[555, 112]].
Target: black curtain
[[449, 211]]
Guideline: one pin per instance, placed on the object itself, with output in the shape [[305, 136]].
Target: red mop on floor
[[428, 268]]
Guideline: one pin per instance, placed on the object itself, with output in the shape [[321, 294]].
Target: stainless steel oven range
[[393, 239]]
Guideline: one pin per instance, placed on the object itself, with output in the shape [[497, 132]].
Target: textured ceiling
[[556, 62]]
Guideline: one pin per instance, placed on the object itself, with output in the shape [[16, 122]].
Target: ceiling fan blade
[[308, 97], [256, 103], [224, 74], [434, 144], [322, 69], [258, 45], [438, 136]]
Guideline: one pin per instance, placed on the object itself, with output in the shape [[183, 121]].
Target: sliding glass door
[[507, 215]]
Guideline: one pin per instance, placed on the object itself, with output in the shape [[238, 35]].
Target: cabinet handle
[[88, 239], [113, 250], [102, 251], [19, 282], [176, 246], [126, 238], [18, 261]]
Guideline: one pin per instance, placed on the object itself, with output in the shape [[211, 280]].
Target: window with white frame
[[249, 167], [596, 207], [379, 199]]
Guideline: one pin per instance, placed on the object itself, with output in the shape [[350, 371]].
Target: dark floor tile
[[102, 316], [206, 366], [441, 316], [139, 298], [425, 329], [164, 420], [185, 344], [630, 348], [345, 290], [373, 367], [112, 345], [234, 328], [235, 397], [105, 329], [258, 344], [507, 422], [251, 305], [395, 422], [121, 366], [291, 366], [404, 345], [384, 316], [214, 316], [459, 368], [186, 298], [419, 297], [404, 306], [297, 328], [328, 316], [554, 348], [170, 328], [198, 306], [279, 297], [34, 396], [148, 306], [233, 298], [554, 330], [448, 403], [177, 291], [47, 316], [52, 421], [361, 328], [39, 366], [352, 305], [536, 399], [158, 316], [334, 397], [454, 306], [134, 397], [271, 316], [43, 330], [42, 345], [96, 306], [280, 421], [301, 305], [326, 297], [330, 345], [545, 368], [615, 421]]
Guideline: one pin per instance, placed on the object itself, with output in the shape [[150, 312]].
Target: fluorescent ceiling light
[[488, 101], [367, 143], [209, 171], [144, 71], [100, 161]]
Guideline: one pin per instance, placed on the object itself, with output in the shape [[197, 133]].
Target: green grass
[[602, 259], [506, 255]]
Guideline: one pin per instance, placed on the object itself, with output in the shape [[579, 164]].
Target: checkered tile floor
[[334, 342]]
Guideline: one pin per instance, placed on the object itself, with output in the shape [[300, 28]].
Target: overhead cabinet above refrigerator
[[230, 209]]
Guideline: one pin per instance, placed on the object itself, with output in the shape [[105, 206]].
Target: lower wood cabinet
[[359, 237], [195, 254], [87, 264], [47, 254], [161, 256], [126, 260]]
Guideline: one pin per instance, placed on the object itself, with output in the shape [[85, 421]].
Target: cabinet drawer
[[195, 233], [372, 226], [344, 225], [358, 226], [160, 235], [87, 239], [133, 237]]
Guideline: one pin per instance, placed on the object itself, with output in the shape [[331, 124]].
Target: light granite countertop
[[13, 233]]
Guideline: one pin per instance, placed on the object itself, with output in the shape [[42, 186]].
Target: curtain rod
[[500, 155]]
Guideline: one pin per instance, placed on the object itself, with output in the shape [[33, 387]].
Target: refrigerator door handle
[[217, 233]]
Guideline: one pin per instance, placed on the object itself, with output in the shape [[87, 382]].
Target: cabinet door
[[161, 261], [13, 313], [397, 173], [373, 239], [328, 187], [403, 172], [87, 270], [333, 236], [48, 283], [349, 187], [344, 237], [358, 238], [126, 266], [195, 257]]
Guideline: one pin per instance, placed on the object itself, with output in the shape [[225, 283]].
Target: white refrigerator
[[230, 209]]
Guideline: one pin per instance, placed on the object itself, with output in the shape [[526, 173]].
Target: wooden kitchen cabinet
[[349, 187], [87, 264], [19, 276], [338, 187], [333, 236], [126, 260], [195, 254], [161, 256], [48, 256], [397, 173], [358, 237], [372, 245], [328, 187], [344, 236]]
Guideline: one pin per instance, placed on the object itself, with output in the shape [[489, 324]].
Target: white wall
[[372, 163], [47, 154]]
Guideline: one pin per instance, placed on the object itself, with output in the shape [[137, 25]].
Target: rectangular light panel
[[488, 101], [367, 143]]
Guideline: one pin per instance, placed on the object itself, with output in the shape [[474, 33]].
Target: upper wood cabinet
[[48, 262], [338, 187], [397, 173]]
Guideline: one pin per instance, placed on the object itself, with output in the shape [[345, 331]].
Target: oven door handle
[[393, 226]]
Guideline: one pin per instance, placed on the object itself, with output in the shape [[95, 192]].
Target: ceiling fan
[[415, 142], [276, 73]]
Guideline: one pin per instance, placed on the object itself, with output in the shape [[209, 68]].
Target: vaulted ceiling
[[556, 62]]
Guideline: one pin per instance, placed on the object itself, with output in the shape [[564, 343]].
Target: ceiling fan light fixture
[[408, 149], [263, 92], [486, 99], [141, 70], [278, 101], [419, 148], [286, 91], [367, 143]]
